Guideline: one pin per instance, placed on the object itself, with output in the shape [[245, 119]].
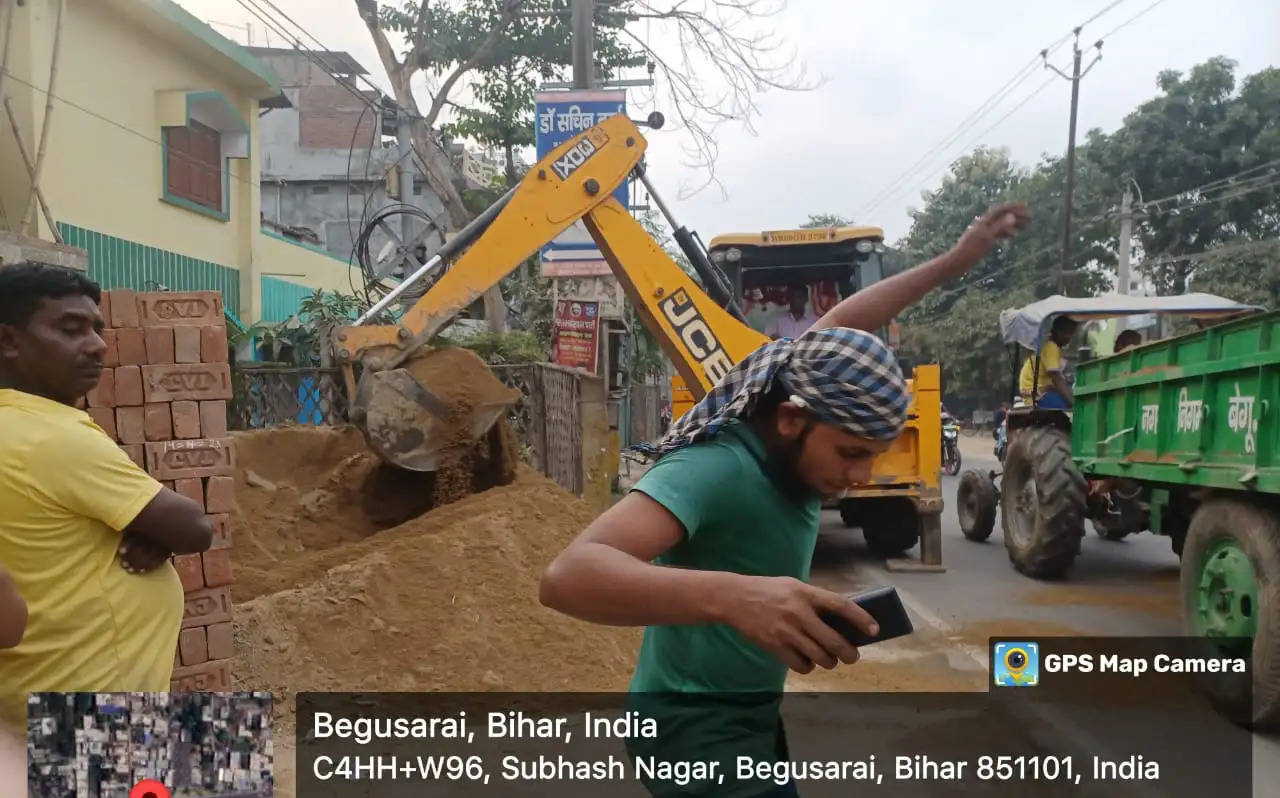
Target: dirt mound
[[297, 491], [445, 601], [301, 490]]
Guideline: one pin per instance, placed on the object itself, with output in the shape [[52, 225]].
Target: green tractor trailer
[[1181, 437]]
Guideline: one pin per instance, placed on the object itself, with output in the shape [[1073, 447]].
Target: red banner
[[577, 334]]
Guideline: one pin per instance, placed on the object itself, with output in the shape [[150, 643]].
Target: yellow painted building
[[151, 162]]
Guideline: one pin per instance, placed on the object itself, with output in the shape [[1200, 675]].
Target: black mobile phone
[[885, 606]]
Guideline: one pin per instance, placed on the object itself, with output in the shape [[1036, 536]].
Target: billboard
[[577, 334], [559, 116]]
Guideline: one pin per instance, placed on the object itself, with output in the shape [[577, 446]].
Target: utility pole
[[1126, 235], [405, 166], [1075, 78], [584, 40]]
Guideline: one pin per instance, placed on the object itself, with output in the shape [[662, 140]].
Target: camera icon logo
[[1016, 664]]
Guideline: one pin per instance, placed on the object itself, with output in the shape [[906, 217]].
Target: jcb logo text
[[696, 335]]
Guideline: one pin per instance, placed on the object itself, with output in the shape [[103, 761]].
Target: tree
[[1203, 155], [958, 327], [1183, 148], [826, 220], [725, 42], [500, 113]]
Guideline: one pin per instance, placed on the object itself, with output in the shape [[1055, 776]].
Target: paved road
[[1115, 588], [1129, 588]]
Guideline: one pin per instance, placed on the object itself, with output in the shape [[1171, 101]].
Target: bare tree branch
[[728, 56], [486, 47]]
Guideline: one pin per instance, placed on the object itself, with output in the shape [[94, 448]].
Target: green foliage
[[827, 220], [1198, 130], [532, 49], [303, 338], [646, 361], [516, 346], [1251, 276], [530, 305]]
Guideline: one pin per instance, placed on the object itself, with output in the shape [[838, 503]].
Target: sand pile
[[330, 599], [447, 601]]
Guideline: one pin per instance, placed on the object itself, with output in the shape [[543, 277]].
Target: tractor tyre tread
[[976, 526], [1061, 504]]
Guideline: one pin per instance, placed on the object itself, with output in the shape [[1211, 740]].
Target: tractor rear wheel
[[976, 505], [1231, 591], [1043, 503]]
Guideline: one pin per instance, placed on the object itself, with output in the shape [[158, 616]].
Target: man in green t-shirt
[[711, 550]]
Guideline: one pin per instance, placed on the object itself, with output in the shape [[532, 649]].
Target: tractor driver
[[1051, 386]]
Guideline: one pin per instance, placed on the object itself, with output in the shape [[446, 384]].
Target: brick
[[186, 420], [128, 386], [104, 308], [221, 531], [217, 567], [180, 309], [203, 607], [190, 570], [213, 419], [159, 345], [193, 489], [219, 494], [104, 417], [124, 308], [157, 423], [111, 357], [221, 639], [177, 663], [213, 344], [104, 393], [82, 403], [131, 425], [203, 457], [211, 677], [197, 381], [193, 646], [131, 343], [168, 483], [186, 345], [136, 454]]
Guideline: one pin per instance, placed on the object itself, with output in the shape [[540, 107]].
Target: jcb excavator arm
[[576, 181]]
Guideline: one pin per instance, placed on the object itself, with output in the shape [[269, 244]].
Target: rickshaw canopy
[[1029, 325]]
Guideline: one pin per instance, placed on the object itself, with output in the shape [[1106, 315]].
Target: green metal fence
[[281, 298], [120, 263]]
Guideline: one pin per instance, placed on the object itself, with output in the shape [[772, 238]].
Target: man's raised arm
[[878, 304]]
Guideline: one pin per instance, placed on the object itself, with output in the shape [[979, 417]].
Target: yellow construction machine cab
[[903, 502], [832, 262]]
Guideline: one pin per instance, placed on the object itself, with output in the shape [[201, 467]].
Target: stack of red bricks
[[163, 398]]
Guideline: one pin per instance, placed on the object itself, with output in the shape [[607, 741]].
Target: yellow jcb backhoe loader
[[702, 332]]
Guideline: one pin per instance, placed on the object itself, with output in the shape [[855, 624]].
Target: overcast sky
[[899, 75]]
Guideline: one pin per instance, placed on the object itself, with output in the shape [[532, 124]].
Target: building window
[[193, 164]]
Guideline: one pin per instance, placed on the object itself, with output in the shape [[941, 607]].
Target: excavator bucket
[[409, 424]]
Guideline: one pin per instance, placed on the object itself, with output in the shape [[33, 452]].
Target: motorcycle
[[950, 446]]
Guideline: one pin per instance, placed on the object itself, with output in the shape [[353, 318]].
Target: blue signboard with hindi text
[[561, 115]]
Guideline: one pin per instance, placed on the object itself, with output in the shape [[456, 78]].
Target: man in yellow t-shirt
[[1051, 386], [84, 532]]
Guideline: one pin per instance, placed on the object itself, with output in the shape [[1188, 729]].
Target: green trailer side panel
[[1199, 410]]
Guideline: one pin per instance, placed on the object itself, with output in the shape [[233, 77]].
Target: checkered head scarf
[[847, 378]]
